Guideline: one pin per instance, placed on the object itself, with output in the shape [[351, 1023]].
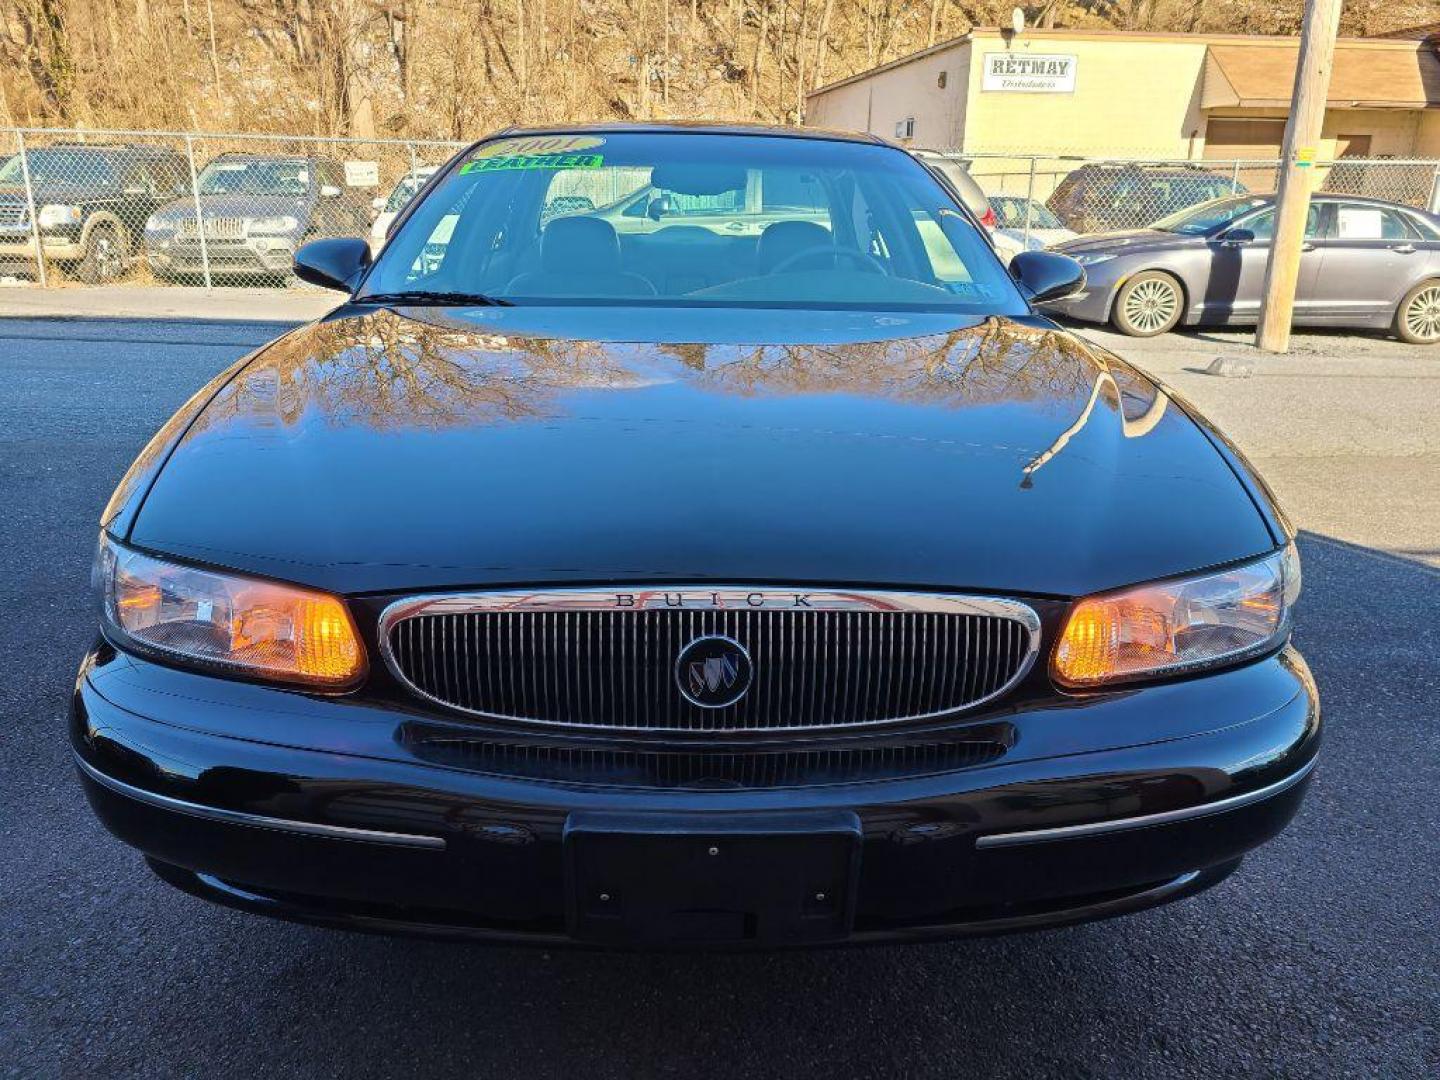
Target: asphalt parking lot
[[1320, 957]]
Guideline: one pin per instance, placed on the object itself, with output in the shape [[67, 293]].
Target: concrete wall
[[1427, 134], [876, 104], [1132, 98], [1129, 99], [1393, 132]]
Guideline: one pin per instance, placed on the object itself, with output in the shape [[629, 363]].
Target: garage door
[[1231, 140]]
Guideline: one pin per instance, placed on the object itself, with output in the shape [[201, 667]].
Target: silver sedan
[[1365, 263]]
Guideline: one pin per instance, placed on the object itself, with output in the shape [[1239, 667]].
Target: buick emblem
[[713, 671]]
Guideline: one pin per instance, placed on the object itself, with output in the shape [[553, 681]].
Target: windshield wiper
[[421, 297]]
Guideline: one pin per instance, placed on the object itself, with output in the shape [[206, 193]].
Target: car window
[[1263, 223], [1209, 217], [1010, 213], [1360, 221], [1428, 228], [959, 177], [170, 177], [679, 218], [255, 176], [793, 190], [61, 166]]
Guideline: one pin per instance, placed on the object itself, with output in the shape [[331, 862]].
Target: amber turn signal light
[[224, 621], [1171, 627]]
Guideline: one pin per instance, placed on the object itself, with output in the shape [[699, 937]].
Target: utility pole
[[1292, 200]]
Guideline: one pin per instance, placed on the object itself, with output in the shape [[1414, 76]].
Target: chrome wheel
[[107, 255], [104, 256], [1151, 305], [1422, 314]]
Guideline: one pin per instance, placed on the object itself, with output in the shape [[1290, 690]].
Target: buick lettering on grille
[[708, 659]]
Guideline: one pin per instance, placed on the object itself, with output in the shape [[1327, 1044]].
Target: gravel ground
[[1317, 959]]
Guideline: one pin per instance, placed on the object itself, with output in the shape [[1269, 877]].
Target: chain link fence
[[1050, 198], [139, 207], [190, 208]]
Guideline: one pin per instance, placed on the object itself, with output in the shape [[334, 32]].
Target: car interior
[[696, 230]]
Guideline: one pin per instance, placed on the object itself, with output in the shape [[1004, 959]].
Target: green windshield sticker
[[533, 145], [533, 161]]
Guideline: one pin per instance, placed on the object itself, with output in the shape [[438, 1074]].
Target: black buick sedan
[[757, 567]]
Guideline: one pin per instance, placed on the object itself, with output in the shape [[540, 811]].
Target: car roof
[[692, 127], [246, 155], [1336, 196], [1198, 169], [115, 149]]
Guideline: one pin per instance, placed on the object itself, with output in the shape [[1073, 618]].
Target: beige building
[[1087, 92]]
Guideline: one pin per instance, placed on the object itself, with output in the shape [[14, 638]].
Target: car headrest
[[783, 239], [579, 245]]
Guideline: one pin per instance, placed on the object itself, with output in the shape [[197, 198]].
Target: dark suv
[[257, 209], [91, 203], [1130, 195]]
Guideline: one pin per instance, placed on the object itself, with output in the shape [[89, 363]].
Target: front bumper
[[1092, 305], [18, 246], [251, 256], [1067, 826]]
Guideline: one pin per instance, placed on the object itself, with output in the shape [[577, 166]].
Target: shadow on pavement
[[1316, 958]]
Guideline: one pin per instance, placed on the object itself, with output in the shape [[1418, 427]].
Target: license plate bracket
[[691, 879]]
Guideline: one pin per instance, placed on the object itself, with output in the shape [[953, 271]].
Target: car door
[[1236, 283], [1372, 255]]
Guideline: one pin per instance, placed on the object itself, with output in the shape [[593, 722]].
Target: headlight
[[54, 215], [1087, 259], [160, 226], [284, 224], [227, 622], [1175, 626]]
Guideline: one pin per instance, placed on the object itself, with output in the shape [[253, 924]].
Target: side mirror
[[658, 208], [333, 264], [1237, 236], [329, 191], [377, 203], [1047, 275]]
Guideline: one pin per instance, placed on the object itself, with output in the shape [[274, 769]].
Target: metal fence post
[[1029, 205], [30, 208], [414, 166], [1235, 177], [199, 218]]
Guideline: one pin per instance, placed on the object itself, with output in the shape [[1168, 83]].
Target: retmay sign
[[1029, 73]]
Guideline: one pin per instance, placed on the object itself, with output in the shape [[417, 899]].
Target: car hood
[[51, 192], [1120, 242], [427, 449]]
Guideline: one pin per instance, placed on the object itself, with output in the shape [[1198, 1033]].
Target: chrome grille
[[606, 660], [216, 228]]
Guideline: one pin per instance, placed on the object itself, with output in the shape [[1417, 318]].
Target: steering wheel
[[862, 258]]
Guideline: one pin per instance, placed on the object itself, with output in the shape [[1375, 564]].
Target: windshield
[[60, 167], [695, 219], [405, 191], [1208, 217], [260, 177], [1010, 213]]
